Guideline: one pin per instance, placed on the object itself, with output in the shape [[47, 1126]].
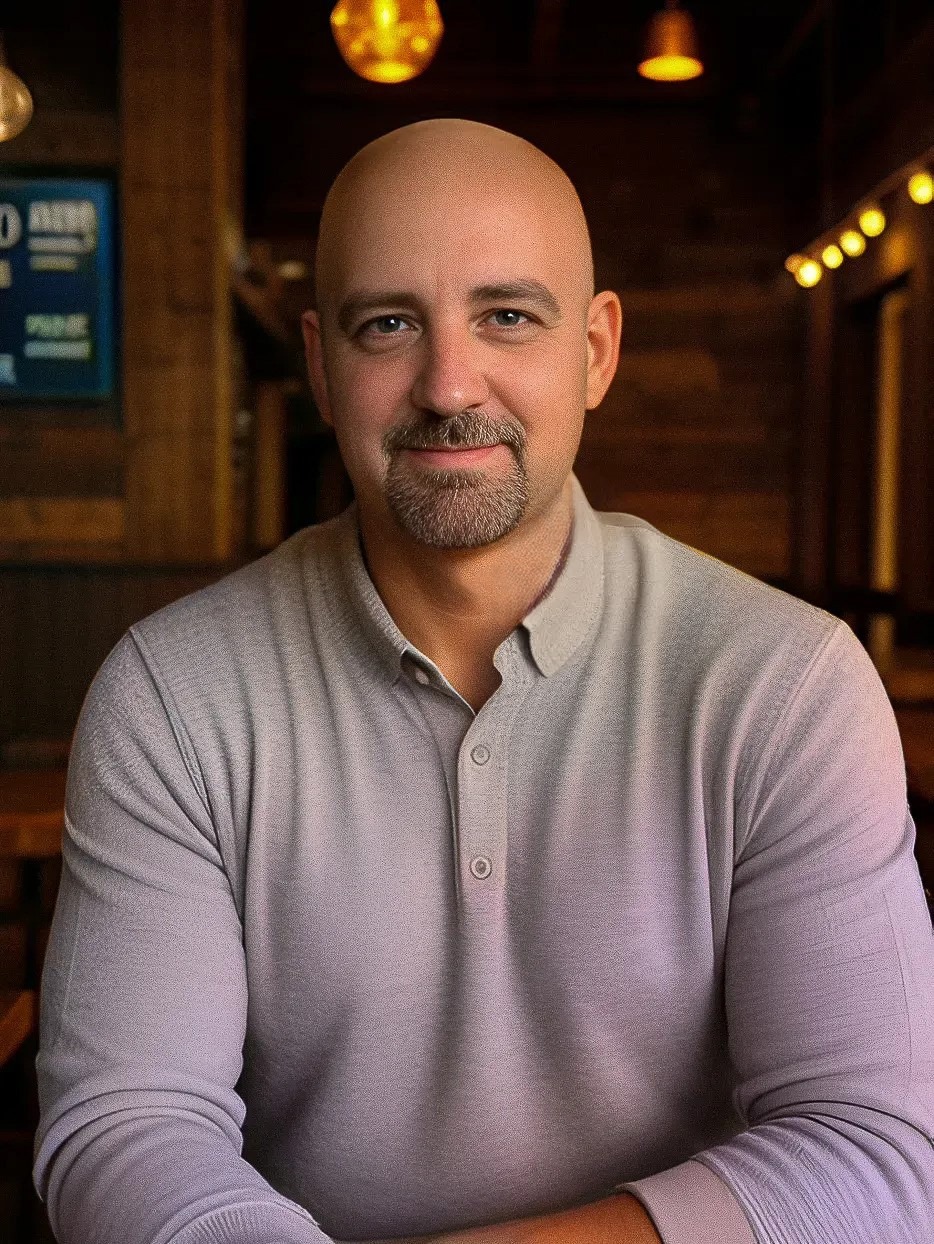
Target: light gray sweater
[[650, 919]]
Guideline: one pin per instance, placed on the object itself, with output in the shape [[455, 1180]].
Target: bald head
[[443, 171]]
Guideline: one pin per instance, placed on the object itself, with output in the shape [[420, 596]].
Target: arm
[[618, 1219], [829, 978], [144, 998]]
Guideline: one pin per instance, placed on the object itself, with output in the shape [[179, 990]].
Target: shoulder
[[245, 598], [706, 606], [234, 632]]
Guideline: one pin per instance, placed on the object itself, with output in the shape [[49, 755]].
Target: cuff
[[689, 1204], [253, 1223]]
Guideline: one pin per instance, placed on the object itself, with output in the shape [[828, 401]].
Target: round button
[[421, 676], [480, 866], [480, 754]]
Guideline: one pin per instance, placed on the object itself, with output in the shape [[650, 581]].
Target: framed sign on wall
[[57, 283]]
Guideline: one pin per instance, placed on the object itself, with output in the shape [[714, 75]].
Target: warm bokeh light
[[921, 187], [292, 270], [872, 221], [671, 49], [387, 40], [809, 273], [852, 242], [15, 104], [832, 256], [794, 262]]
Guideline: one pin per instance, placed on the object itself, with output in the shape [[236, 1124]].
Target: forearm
[[147, 1180], [617, 1219]]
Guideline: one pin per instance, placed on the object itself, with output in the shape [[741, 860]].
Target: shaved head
[[420, 169]]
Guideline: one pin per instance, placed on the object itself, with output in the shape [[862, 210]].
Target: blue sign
[[56, 289]]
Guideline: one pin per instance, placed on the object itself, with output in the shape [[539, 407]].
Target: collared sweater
[[335, 956]]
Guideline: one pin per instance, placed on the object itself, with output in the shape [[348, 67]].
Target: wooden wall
[[886, 126], [108, 511], [149, 476]]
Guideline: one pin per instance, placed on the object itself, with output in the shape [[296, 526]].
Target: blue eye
[[505, 311], [385, 319]]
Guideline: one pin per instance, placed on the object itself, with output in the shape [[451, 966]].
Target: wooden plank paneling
[[70, 462], [57, 624], [60, 135], [746, 529], [61, 520]]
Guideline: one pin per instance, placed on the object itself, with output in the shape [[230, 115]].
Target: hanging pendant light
[[15, 100], [671, 47], [387, 40]]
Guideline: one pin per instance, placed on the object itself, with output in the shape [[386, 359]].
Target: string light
[[832, 256], [852, 242], [921, 187], [872, 221], [808, 273], [828, 251]]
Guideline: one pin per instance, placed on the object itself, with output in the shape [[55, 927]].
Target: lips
[[449, 449]]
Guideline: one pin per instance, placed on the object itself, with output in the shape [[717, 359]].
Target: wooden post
[[181, 189]]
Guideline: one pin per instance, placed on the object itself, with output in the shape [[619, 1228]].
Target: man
[[494, 870]]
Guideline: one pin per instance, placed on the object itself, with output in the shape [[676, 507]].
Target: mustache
[[458, 435]]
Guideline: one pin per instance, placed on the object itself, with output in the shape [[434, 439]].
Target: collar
[[556, 623]]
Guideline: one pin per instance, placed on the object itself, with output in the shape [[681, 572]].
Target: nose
[[450, 376]]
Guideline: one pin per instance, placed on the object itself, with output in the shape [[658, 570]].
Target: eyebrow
[[530, 292]]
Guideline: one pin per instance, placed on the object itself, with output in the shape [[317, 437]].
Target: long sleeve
[[144, 997], [829, 985]]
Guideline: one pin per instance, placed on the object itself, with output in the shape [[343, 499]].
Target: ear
[[314, 358], [604, 329]]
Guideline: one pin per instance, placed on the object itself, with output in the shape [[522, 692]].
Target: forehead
[[457, 236]]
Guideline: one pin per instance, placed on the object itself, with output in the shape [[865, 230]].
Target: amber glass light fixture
[[872, 221], [671, 48], [921, 187], [852, 242], [387, 40], [15, 100]]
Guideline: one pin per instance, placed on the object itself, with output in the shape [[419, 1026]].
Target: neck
[[458, 605]]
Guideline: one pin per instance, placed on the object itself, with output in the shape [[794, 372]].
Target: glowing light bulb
[[671, 49], [872, 221], [387, 40], [852, 242], [832, 256], [809, 273], [15, 101], [794, 262], [921, 187]]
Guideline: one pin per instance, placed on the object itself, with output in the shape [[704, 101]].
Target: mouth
[[453, 457]]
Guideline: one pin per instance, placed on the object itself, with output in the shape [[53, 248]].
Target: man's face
[[458, 319]]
